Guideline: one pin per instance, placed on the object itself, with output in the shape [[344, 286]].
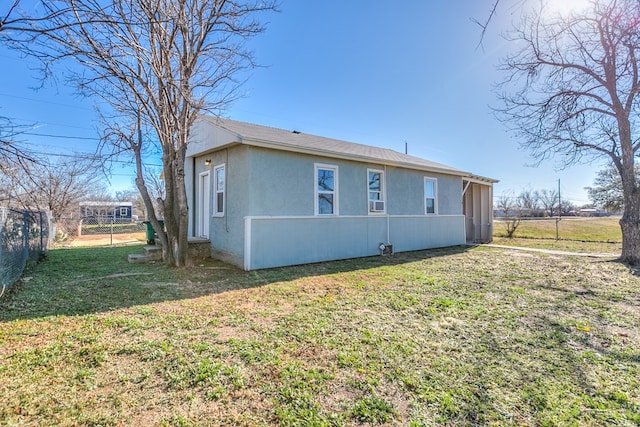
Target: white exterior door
[[204, 199]]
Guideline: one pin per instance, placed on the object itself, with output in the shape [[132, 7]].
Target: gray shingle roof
[[295, 141]]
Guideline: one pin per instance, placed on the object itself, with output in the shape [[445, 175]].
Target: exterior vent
[[385, 249], [376, 205]]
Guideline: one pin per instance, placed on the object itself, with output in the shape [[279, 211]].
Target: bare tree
[[529, 202], [511, 210], [52, 185], [156, 65], [493, 8], [12, 21], [572, 92], [568, 208], [11, 24], [548, 200], [155, 184], [12, 151], [484, 23]]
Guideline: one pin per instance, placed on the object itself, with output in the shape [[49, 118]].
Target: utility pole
[[559, 203], [559, 212]]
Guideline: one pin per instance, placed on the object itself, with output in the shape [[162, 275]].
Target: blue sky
[[366, 71]]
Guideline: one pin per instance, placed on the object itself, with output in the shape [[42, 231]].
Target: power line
[[44, 102], [90, 156], [81, 155], [86, 138], [37, 123]]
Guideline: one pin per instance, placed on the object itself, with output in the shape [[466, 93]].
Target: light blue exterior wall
[[405, 192], [227, 232], [273, 242], [282, 183], [270, 217]]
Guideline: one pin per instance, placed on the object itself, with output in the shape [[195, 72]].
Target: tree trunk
[[630, 226], [175, 243], [175, 252]]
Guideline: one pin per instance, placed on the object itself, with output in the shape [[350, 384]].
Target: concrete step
[[198, 249], [135, 258], [153, 253]]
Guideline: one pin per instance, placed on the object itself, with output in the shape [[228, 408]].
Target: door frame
[[204, 204]]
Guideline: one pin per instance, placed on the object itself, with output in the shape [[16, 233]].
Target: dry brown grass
[[446, 337]]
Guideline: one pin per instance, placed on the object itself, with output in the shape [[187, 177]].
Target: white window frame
[[435, 195], [219, 211], [125, 210], [383, 192], [316, 192]]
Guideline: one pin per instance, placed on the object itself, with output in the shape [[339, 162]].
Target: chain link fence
[[69, 228], [23, 235], [108, 225]]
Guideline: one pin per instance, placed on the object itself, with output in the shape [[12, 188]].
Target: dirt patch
[[106, 240]]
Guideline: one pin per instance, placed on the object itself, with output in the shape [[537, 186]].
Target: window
[[431, 196], [326, 190], [123, 212], [219, 190], [375, 183]]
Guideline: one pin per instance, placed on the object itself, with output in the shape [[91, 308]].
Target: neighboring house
[[269, 197], [104, 212]]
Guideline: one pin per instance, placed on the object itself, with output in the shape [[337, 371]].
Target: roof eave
[[480, 179]]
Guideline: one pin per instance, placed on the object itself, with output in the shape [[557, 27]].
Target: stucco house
[[268, 197]]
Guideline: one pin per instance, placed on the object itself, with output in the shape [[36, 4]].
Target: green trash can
[[151, 233]]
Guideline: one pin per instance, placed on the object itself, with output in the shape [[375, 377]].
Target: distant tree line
[[606, 194], [534, 204]]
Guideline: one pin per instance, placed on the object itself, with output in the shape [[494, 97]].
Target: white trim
[[435, 194], [480, 179], [320, 217], [335, 192], [383, 191], [216, 213], [204, 204], [248, 224], [247, 242], [464, 227], [464, 190]]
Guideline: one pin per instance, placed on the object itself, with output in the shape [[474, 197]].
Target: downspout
[[387, 204], [226, 189]]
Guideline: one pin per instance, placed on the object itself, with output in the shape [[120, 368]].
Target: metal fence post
[[25, 233], [41, 233]]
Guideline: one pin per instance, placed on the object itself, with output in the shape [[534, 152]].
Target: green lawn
[[562, 245], [569, 228], [446, 337]]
